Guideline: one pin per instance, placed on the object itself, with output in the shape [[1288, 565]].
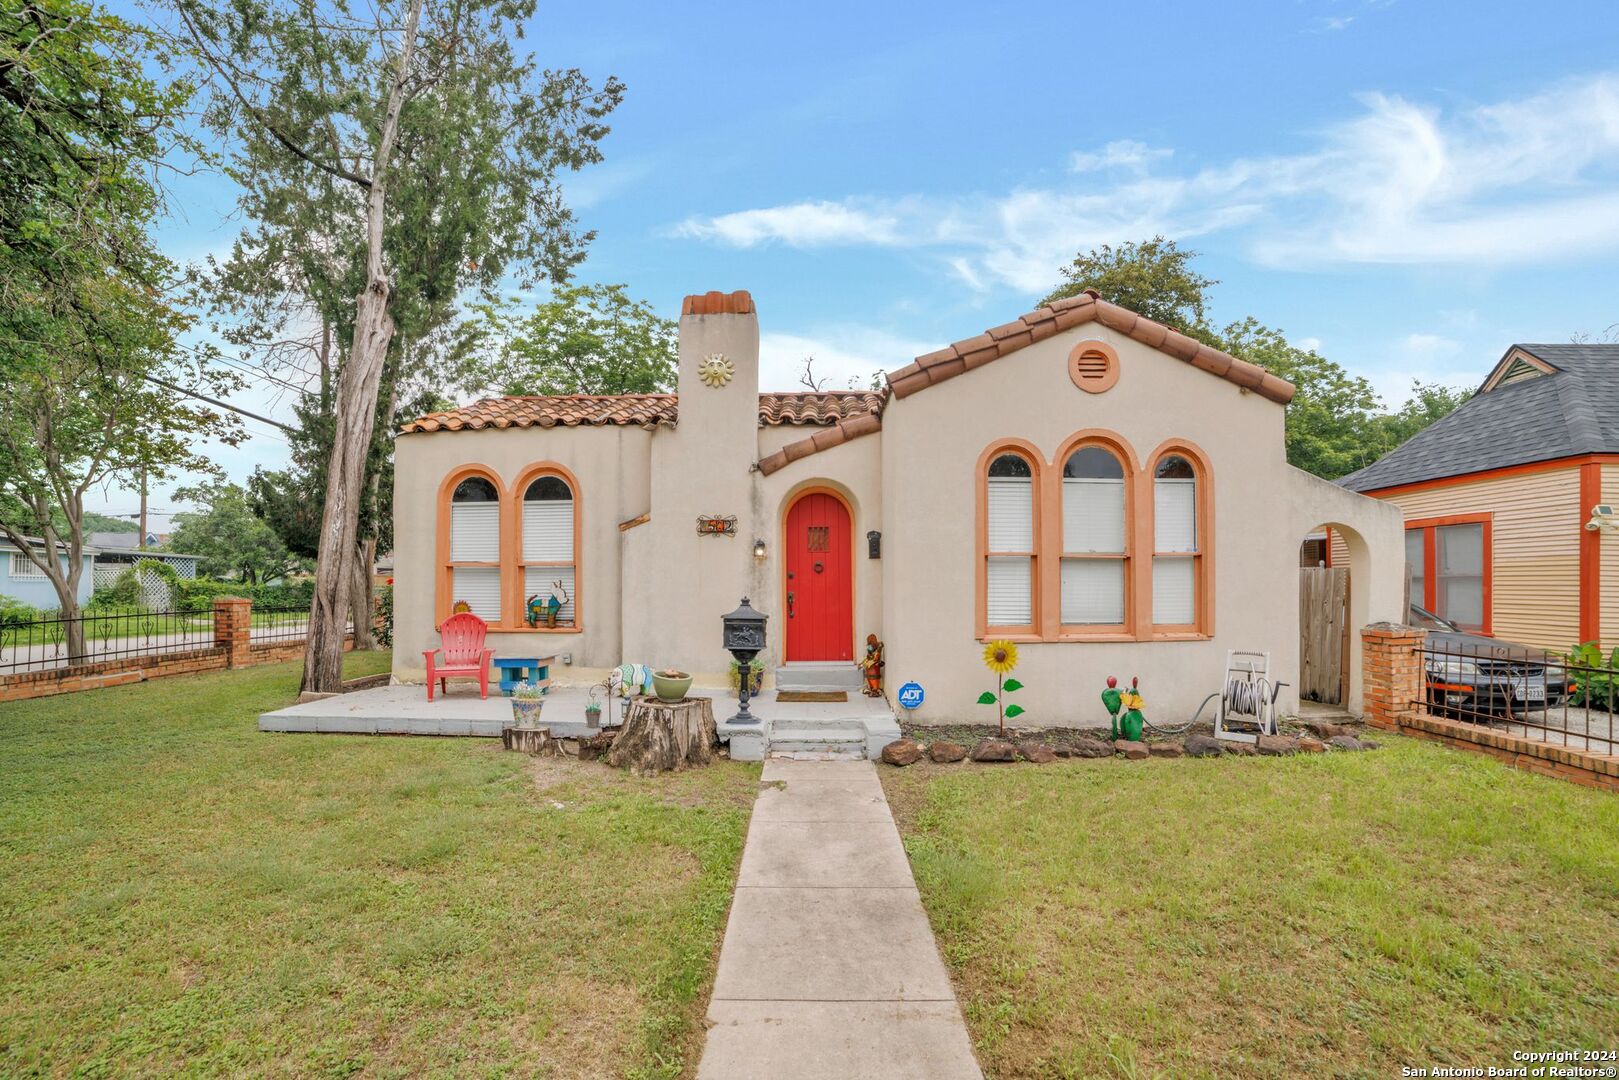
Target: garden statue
[[547, 608], [872, 667], [1129, 702]]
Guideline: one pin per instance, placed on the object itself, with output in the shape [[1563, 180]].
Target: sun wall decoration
[[716, 370]]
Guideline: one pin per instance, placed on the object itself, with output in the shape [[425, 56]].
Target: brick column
[[233, 624], [1391, 665]]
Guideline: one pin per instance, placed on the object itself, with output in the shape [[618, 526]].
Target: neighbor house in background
[[1497, 495], [1110, 494], [118, 551], [21, 580]]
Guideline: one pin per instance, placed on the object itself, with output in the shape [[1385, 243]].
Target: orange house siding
[[1535, 545], [1608, 562]]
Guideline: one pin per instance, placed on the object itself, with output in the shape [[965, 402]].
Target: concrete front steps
[[819, 677]]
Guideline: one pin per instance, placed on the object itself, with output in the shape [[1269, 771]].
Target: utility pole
[[140, 542]]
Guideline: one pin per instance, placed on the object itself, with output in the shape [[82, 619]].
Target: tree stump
[[530, 740], [661, 736]]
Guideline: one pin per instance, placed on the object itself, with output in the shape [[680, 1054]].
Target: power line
[[222, 404]]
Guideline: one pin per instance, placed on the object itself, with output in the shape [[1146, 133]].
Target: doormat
[[811, 695]]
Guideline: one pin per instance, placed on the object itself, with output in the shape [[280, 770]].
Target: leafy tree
[[1150, 277], [587, 339], [1428, 402], [88, 362], [231, 540], [94, 523], [426, 151]]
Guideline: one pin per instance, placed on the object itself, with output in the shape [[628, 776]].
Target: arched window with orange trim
[[1094, 586], [472, 567], [1009, 542], [1181, 541], [549, 536]]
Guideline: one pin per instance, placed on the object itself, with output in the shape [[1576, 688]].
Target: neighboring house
[[1496, 497], [1109, 494], [117, 551], [22, 580]]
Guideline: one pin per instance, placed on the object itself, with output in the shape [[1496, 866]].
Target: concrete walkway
[[829, 968]]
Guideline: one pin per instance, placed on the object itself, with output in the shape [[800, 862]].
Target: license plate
[[1529, 693]]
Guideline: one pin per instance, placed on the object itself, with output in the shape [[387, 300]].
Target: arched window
[[1009, 544], [1180, 542], [1095, 545], [548, 556], [473, 567]]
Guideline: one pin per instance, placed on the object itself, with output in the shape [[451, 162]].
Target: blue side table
[[516, 669]]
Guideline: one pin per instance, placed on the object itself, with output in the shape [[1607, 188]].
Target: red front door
[[820, 581]]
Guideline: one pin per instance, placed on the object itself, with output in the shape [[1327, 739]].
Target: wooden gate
[[1323, 633]]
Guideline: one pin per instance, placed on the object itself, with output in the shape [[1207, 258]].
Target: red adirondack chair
[[461, 638]]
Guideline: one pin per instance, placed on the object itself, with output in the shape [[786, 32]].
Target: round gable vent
[[1094, 366]]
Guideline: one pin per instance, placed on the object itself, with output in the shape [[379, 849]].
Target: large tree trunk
[[361, 609], [356, 411], [659, 736]]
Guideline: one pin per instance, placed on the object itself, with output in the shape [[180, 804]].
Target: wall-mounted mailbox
[[874, 545]]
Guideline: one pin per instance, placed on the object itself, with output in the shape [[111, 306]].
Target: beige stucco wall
[[1535, 547], [932, 442], [611, 465]]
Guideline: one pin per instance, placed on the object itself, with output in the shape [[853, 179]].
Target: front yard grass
[[1323, 915], [181, 893]]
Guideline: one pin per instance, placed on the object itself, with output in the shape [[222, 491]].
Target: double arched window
[[1094, 546], [500, 549]]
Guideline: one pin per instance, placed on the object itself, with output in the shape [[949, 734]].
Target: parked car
[[1470, 675]]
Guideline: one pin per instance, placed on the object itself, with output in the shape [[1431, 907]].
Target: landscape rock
[[1092, 748], [1241, 749], [946, 752], [1166, 749], [1367, 744], [1276, 745], [1038, 753], [1134, 751], [1324, 729], [1345, 742], [902, 752], [994, 750], [1311, 746], [1203, 746]]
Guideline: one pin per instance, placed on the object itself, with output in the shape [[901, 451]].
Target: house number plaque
[[716, 525]]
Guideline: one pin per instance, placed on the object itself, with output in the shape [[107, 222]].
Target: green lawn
[[1323, 915], [179, 892]]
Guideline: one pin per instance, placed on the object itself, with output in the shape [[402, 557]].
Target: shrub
[[385, 616], [14, 613]]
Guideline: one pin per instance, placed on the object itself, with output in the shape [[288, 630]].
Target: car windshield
[[1427, 620]]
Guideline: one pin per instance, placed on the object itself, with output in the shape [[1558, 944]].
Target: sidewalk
[[829, 968]]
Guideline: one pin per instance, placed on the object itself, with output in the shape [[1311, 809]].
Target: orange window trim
[[1139, 535], [444, 567], [1430, 561], [1590, 554], [512, 542], [1552, 465], [1030, 453]]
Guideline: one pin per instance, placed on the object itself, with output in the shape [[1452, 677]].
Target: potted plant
[[527, 701], [670, 684], [756, 668]]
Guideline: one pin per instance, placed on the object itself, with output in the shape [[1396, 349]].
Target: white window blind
[[548, 530], [1092, 515], [1010, 600], [537, 581], [474, 532], [479, 586], [1174, 507], [1459, 550], [1011, 513], [1092, 592], [1173, 586]]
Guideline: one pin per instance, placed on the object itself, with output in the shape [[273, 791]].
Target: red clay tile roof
[[718, 303], [825, 439], [1065, 314], [825, 408]]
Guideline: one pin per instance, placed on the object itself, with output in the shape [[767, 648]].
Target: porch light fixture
[[759, 549], [744, 639]]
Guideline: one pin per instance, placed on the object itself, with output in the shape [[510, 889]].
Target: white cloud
[[1119, 154], [842, 353], [1529, 180]]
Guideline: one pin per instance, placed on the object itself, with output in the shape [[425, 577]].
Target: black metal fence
[[47, 643], [1565, 699], [278, 624]]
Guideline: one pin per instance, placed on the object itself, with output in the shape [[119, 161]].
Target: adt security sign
[[910, 695]]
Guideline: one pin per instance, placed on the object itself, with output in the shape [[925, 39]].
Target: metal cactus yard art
[[1125, 702]]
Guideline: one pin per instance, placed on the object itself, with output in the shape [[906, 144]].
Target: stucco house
[[1109, 494], [1497, 496], [22, 579]]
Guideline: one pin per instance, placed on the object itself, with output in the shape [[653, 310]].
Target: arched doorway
[[818, 590], [1324, 585]]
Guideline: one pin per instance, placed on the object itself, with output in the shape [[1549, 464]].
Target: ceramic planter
[[670, 687], [526, 711]]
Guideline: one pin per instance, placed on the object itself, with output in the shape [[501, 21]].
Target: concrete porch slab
[[851, 1040]]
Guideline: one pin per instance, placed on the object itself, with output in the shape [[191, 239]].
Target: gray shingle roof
[[1572, 411]]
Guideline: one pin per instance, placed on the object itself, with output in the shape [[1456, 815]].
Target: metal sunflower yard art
[[1000, 656]]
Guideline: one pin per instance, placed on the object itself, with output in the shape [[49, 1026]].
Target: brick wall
[[233, 647], [1392, 666]]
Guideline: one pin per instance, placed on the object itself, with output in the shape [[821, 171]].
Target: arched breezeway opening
[[1332, 558]]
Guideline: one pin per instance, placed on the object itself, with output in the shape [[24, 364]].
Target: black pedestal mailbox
[[745, 639]]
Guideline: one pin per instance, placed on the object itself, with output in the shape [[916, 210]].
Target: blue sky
[[1410, 187]]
